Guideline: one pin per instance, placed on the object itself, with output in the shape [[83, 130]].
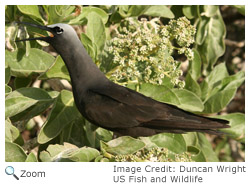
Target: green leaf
[[219, 100], [36, 109], [74, 133], [90, 47], [10, 13], [174, 142], [11, 132], [195, 65], [84, 154], [182, 98], [237, 123], [199, 146], [123, 9], [132, 10], [7, 90], [68, 152], [82, 133], [29, 102], [15, 105], [116, 17], [196, 154], [213, 46], [14, 153], [21, 65], [148, 143], [101, 158], [57, 152], [122, 146], [190, 11], [96, 31], [160, 93], [240, 8], [89, 133], [7, 75], [31, 10], [167, 82], [31, 92], [233, 81], [219, 72], [57, 70], [20, 82], [192, 85], [230, 82], [188, 100], [137, 10], [193, 147], [210, 10], [31, 158], [62, 114], [85, 12], [94, 134], [221, 88], [53, 94], [206, 148], [58, 13], [202, 29], [204, 90], [213, 82], [103, 134], [190, 138], [159, 11], [178, 10]]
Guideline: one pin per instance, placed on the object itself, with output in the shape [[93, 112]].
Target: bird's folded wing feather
[[120, 107], [110, 113]]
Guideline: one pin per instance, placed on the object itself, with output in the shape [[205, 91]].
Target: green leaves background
[[65, 134]]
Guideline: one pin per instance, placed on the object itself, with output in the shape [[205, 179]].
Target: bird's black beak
[[44, 38]]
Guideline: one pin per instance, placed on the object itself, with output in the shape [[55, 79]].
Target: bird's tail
[[180, 121]]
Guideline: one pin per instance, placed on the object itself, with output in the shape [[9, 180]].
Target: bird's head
[[58, 32]]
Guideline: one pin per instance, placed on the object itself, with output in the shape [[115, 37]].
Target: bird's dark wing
[[108, 112], [117, 107]]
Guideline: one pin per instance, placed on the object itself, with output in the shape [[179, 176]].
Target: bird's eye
[[58, 30]]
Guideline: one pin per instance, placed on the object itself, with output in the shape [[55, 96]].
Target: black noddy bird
[[114, 107]]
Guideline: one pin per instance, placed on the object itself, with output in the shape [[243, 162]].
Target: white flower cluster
[[182, 31], [142, 50], [155, 154]]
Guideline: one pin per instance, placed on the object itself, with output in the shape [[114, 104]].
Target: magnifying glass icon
[[9, 170]]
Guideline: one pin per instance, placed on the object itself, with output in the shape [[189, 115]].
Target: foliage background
[[43, 124]]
